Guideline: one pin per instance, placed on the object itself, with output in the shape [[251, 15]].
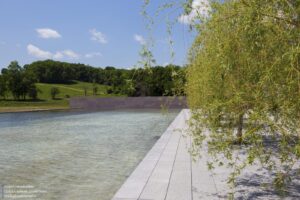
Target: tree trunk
[[240, 129]]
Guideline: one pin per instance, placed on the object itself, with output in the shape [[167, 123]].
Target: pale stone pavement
[[168, 172]]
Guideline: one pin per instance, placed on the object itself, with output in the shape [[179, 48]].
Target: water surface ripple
[[76, 155]]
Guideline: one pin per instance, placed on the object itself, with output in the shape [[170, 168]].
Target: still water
[[75, 155]]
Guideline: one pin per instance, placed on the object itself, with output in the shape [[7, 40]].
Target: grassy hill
[[45, 101], [72, 89]]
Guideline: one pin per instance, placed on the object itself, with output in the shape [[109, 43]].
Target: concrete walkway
[[168, 173]]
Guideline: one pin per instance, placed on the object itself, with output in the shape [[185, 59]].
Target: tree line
[[18, 81], [156, 81]]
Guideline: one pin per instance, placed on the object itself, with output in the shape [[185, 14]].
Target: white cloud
[[140, 39], [92, 55], [36, 52], [58, 56], [70, 54], [200, 8], [98, 36], [39, 53], [47, 33]]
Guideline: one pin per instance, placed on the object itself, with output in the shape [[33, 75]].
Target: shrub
[[54, 92]]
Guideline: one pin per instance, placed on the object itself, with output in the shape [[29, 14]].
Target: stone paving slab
[[168, 173], [180, 183], [166, 145], [165, 172]]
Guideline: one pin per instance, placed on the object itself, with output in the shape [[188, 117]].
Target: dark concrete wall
[[112, 103]]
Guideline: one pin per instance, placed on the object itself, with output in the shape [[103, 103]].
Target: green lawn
[[46, 102], [73, 90]]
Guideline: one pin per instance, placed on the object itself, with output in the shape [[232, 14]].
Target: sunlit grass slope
[[45, 101]]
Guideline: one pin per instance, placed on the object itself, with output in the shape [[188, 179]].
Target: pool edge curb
[[133, 186]]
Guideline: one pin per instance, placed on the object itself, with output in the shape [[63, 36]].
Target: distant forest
[[154, 81]]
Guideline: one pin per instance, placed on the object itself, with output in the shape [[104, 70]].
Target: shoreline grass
[[45, 102]]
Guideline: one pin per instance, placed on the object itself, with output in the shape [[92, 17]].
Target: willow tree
[[244, 84]]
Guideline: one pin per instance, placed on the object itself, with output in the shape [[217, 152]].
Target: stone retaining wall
[[128, 103]]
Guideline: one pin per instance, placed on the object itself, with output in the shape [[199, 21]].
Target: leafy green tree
[[142, 82], [95, 90], [18, 80], [14, 75], [28, 85], [147, 58], [110, 91], [178, 82], [128, 88], [243, 85], [33, 92], [54, 92], [3, 86]]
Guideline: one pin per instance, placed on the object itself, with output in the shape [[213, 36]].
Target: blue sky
[[96, 32]]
